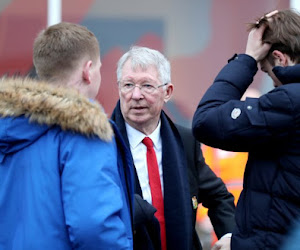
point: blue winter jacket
(269, 129)
(62, 185)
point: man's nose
(136, 92)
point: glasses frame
(140, 87)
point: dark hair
(283, 32)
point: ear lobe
(86, 72)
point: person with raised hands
(267, 127)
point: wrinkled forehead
(141, 65)
(131, 67)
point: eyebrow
(144, 79)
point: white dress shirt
(139, 154)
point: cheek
(156, 104)
(124, 101)
(155, 100)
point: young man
(63, 184)
(172, 176)
(266, 127)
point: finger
(266, 17)
(258, 31)
(272, 13)
(261, 28)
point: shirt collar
(135, 137)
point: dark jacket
(185, 176)
(269, 129)
(61, 184)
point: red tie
(156, 193)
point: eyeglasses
(146, 88)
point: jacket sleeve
(214, 195)
(92, 194)
(223, 121)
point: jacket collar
(51, 105)
(289, 74)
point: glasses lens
(147, 88)
(127, 87)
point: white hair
(144, 57)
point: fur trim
(52, 105)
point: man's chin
(137, 116)
(137, 113)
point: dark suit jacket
(185, 176)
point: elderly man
(171, 175)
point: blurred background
(197, 36)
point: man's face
(95, 79)
(141, 110)
(267, 67)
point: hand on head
(266, 17)
(255, 46)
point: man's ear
(86, 73)
(280, 59)
(168, 92)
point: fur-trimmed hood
(47, 105)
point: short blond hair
(58, 49)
